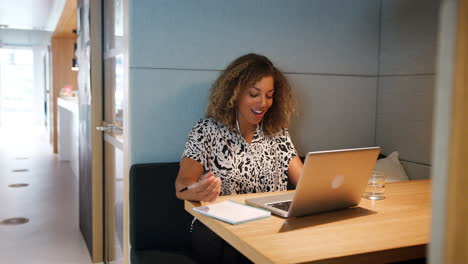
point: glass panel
(118, 198)
(113, 114)
(118, 92)
(113, 25)
(118, 19)
(109, 88)
(113, 94)
(114, 204)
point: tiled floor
(50, 202)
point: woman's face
(255, 101)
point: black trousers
(209, 248)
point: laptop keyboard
(281, 205)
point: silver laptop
(330, 180)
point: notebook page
(232, 212)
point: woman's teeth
(257, 112)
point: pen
(193, 185)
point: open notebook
(232, 212)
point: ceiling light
(74, 65)
(74, 60)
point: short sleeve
(195, 146)
(286, 147)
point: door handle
(110, 128)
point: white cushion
(391, 167)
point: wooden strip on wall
(95, 29)
(110, 227)
(456, 242)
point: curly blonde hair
(241, 74)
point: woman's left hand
(295, 169)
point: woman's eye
(253, 95)
(269, 96)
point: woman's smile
(258, 113)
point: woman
(242, 146)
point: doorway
(102, 77)
(17, 98)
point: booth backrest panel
(157, 218)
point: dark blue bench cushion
(158, 220)
(157, 256)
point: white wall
(17, 37)
(39, 53)
(329, 50)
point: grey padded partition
(178, 47)
(404, 116)
(408, 36)
(303, 36)
(329, 49)
(416, 171)
(166, 104)
(406, 82)
(333, 112)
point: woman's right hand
(205, 190)
(208, 189)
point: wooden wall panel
(62, 50)
(95, 74)
(456, 242)
(67, 21)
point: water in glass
(375, 189)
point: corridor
(50, 201)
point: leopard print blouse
(261, 166)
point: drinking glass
(375, 189)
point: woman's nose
(262, 101)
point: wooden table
(384, 231)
